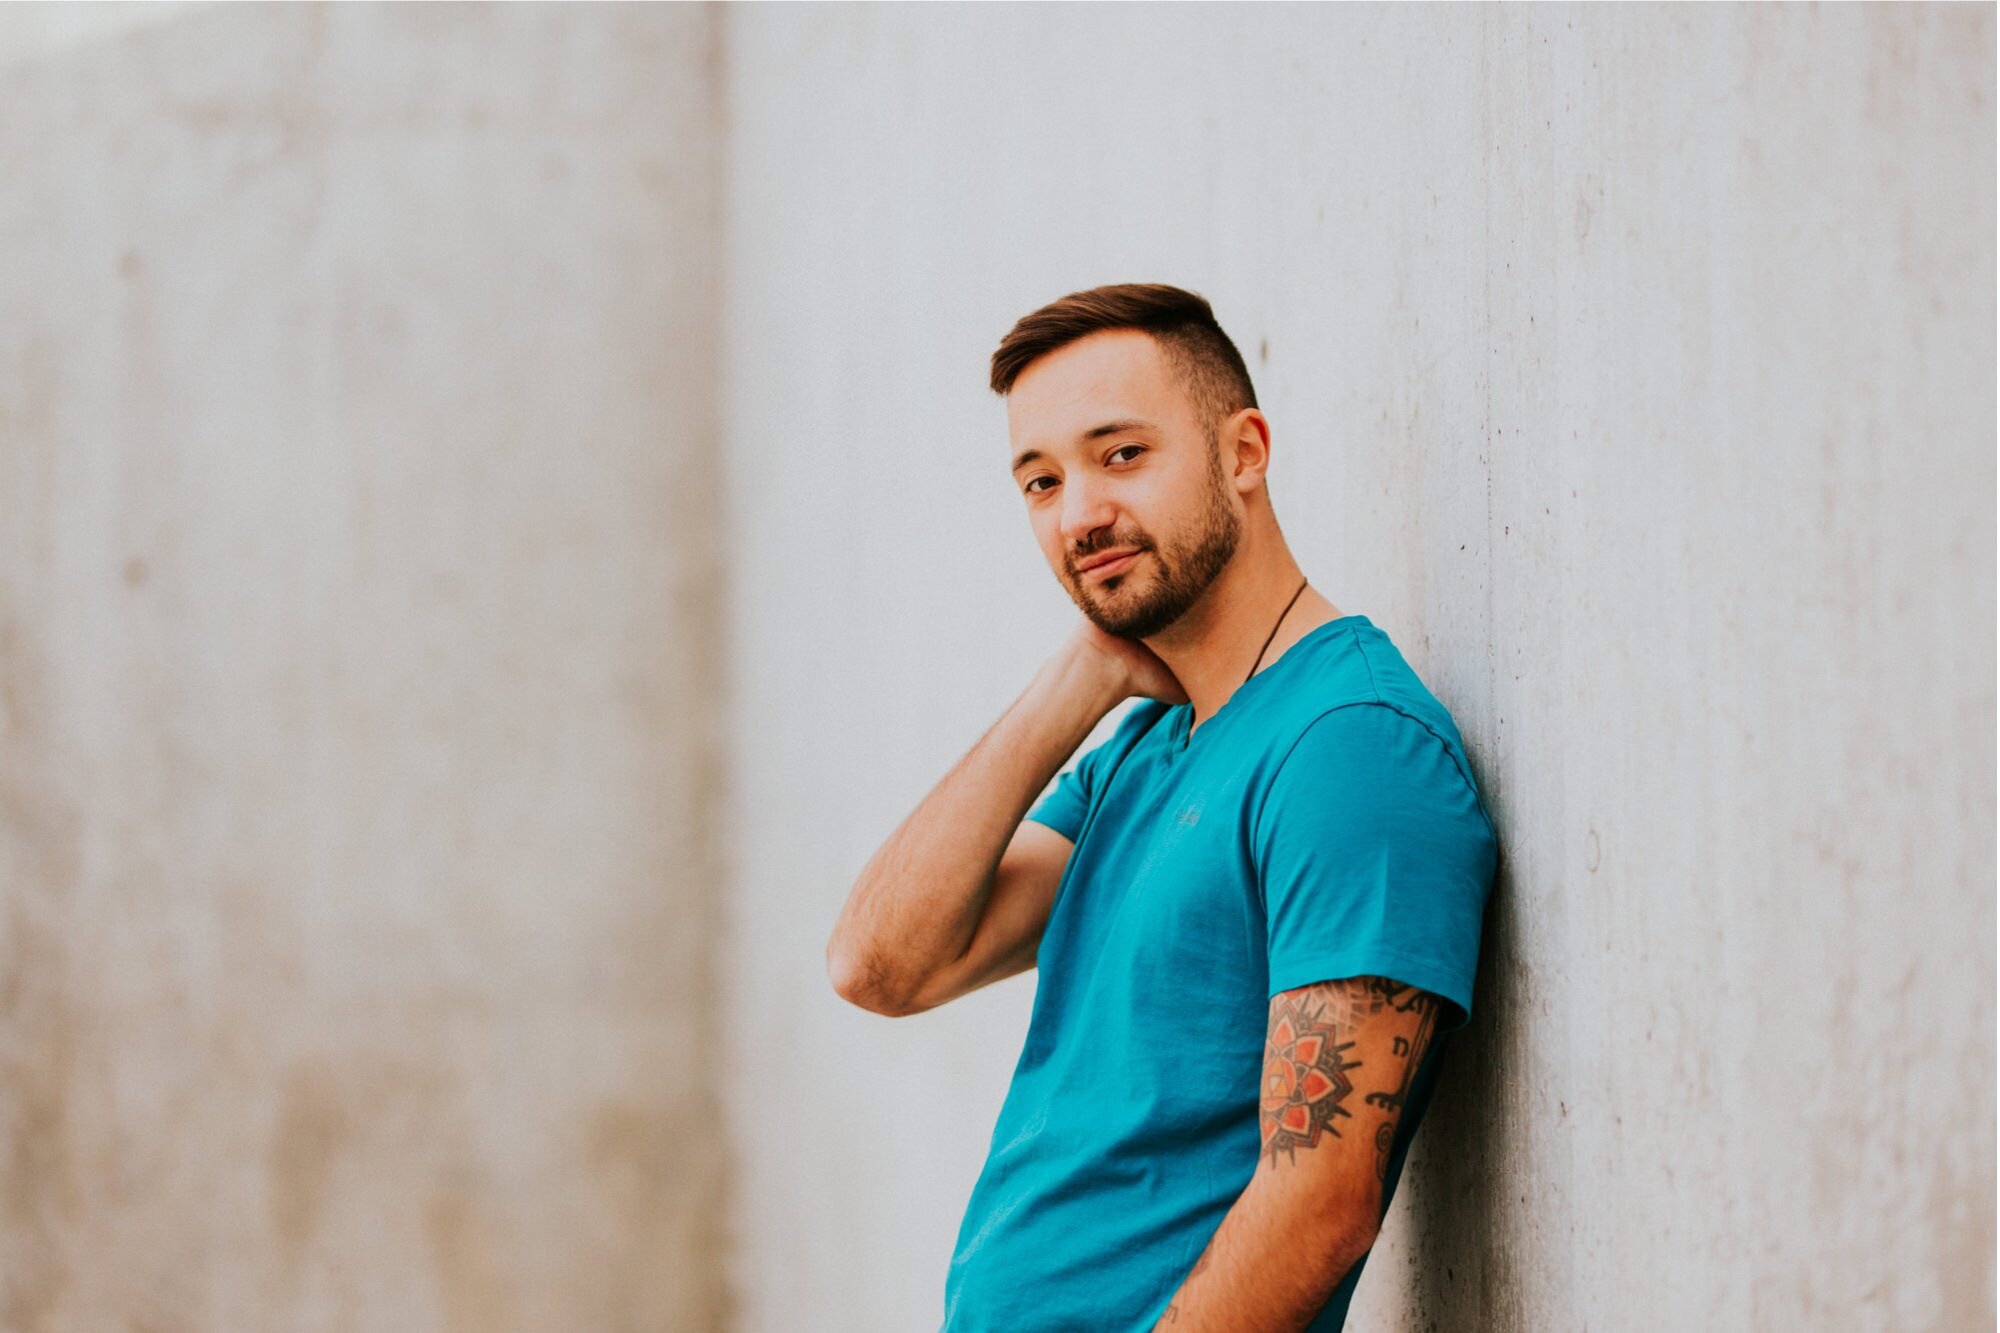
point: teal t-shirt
(1323, 823)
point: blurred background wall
(358, 589)
(501, 515)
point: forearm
(918, 902)
(1270, 1266)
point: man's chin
(1130, 623)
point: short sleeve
(1374, 857)
(1065, 804)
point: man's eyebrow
(1027, 456)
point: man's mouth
(1103, 566)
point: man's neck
(1211, 648)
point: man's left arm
(1339, 1057)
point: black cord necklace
(1188, 735)
(1273, 634)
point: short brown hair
(1210, 369)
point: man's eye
(1030, 487)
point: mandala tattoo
(1309, 1078)
(1305, 1079)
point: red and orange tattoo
(1309, 1078)
(1332, 1049)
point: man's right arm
(960, 893)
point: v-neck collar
(1181, 736)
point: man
(1255, 908)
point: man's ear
(1249, 443)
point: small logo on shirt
(1190, 814)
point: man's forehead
(1098, 386)
(1124, 363)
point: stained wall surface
(499, 503)
(1632, 367)
(356, 588)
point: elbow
(1339, 1230)
(845, 976)
(860, 985)
(1352, 1234)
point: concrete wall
(1632, 366)
(357, 588)
(499, 516)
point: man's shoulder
(1373, 673)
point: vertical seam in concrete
(714, 676)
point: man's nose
(1084, 511)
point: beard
(1184, 572)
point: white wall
(357, 586)
(1632, 367)
(500, 515)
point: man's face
(1154, 484)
